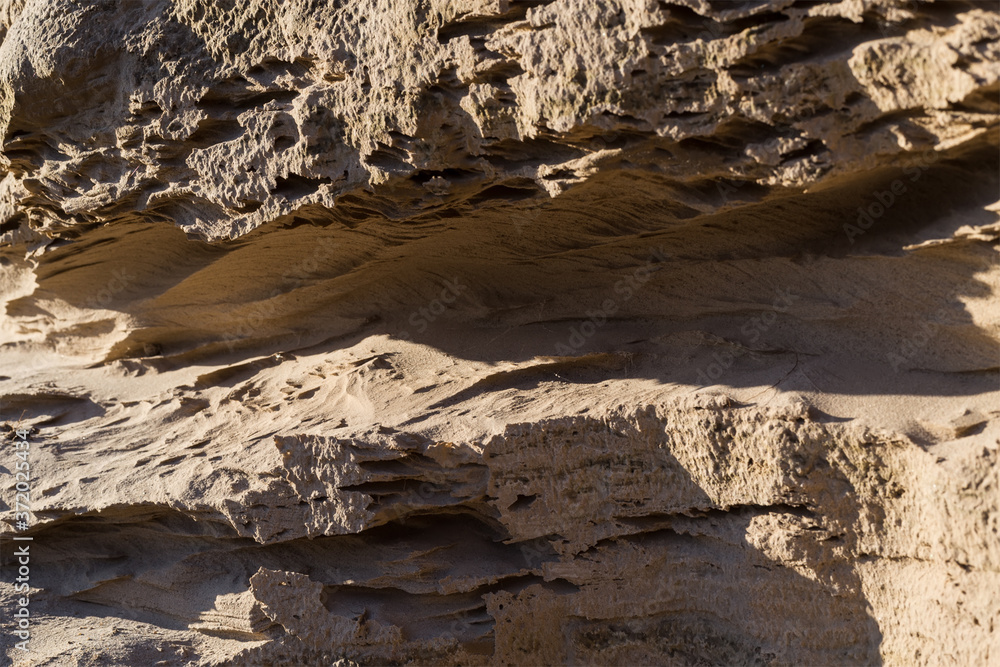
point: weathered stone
(502, 332)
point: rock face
(499, 332)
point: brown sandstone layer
(498, 332)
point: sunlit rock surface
(498, 332)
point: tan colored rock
(500, 332)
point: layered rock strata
(499, 332)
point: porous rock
(502, 332)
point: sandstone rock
(501, 332)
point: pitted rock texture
(497, 332)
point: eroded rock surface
(499, 332)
